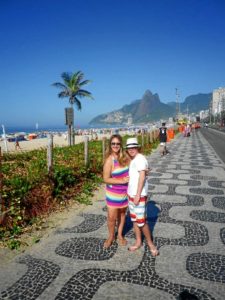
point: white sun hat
(132, 143)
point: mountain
(193, 103)
(149, 108)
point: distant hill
(193, 103)
(149, 108)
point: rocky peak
(147, 93)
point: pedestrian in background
(17, 145)
(187, 130)
(115, 175)
(137, 196)
(163, 139)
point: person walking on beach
(115, 175)
(137, 196)
(163, 139)
(17, 145)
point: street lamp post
(219, 107)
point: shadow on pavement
(152, 215)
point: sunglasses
(115, 144)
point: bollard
(151, 137)
(86, 139)
(142, 139)
(50, 154)
(155, 135)
(147, 138)
(103, 148)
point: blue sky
(124, 46)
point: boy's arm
(141, 182)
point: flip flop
(134, 248)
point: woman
(115, 175)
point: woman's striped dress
(116, 194)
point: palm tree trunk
(69, 135)
(72, 135)
(72, 129)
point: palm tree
(72, 88)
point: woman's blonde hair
(122, 157)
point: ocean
(33, 129)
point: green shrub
(29, 191)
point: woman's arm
(107, 174)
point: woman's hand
(126, 179)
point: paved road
(216, 139)
(186, 211)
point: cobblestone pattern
(188, 177)
(38, 277)
(207, 266)
(87, 248)
(222, 235)
(145, 275)
(219, 202)
(91, 223)
(206, 191)
(208, 216)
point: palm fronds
(71, 87)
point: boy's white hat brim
(132, 143)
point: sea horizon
(57, 128)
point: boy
(137, 196)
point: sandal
(134, 248)
(122, 242)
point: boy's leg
(143, 226)
(137, 232)
(148, 237)
(138, 242)
(134, 213)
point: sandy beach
(58, 141)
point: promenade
(186, 212)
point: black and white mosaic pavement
(91, 223)
(219, 202)
(39, 276)
(86, 248)
(207, 266)
(186, 214)
(222, 235)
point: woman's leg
(121, 223)
(111, 222)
